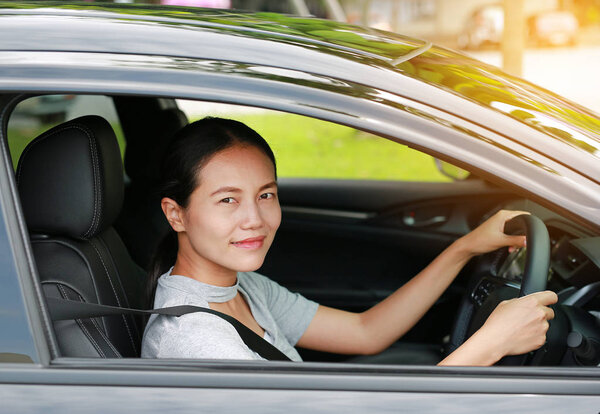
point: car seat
(70, 181)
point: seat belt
(62, 309)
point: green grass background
(306, 147)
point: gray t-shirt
(282, 314)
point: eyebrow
(229, 189)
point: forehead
(237, 165)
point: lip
(250, 243)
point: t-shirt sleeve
(204, 336)
(291, 311)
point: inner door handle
(411, 221)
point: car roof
(387, 61)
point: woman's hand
(515, 327)
(490, 235)
(519, 325)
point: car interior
(85, 168)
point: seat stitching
(82, 326)
(108, 341)
(96, 183)
(90, 337)
(105, 245)
(115, 293)
(101, 332)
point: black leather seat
(70, 180)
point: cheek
(209, 222)
(274, 216)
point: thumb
(545, 297)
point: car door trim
(330, 213)
(308, 376)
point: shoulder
(256, 281)
(260, 286)
(172, 291)
(196, 335)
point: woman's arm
(374, 330)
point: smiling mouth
(251, 243)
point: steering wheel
(537, 259)
(485, 293)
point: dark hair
(190, 149)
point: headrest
(70, 179)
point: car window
(35, 115)
(310, 148)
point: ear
(174, 213)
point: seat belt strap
(62, 309)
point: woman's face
(233, 214)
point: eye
(228, 200)
(267, 196)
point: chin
(249, 265)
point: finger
(510, 214)
(547, 297)
(546, 326)
(516, 241)
(549, 313)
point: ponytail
(164, 257)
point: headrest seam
(97, 194)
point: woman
(219, 195)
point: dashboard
(574, 257)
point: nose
(252, 217)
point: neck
(203, 271)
